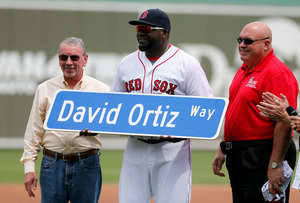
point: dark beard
(152, 45)
(143, 48)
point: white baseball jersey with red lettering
(161, 170)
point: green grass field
(11, 169)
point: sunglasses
(147, 28)
(248, 41)
(64, 57)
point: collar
(153, 59)
(260, 64)
(77, 86)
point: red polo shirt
(243, 120)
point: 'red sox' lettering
(164, 87)
(133, 85)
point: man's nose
(69, 60)
(242, 44)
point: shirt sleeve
(283, 83)
(118, 85)
(33, 133)
(196, 83)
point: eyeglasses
(147, 28)
(248, 41)
(64, 57)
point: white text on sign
(78, 116)
(136, 115)
(203, 112)
(139, 108)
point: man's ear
(85, 57)
(267, 45)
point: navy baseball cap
(154, 18)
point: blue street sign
(137, 114)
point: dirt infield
(200, 194)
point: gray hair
(74, 41)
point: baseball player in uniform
(152, 166)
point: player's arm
(196, 83)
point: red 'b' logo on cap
(144, 14)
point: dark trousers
(247, 165)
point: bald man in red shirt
(255, 146)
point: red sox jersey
(151, 169)
(174, 73)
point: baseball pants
(161, 170)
